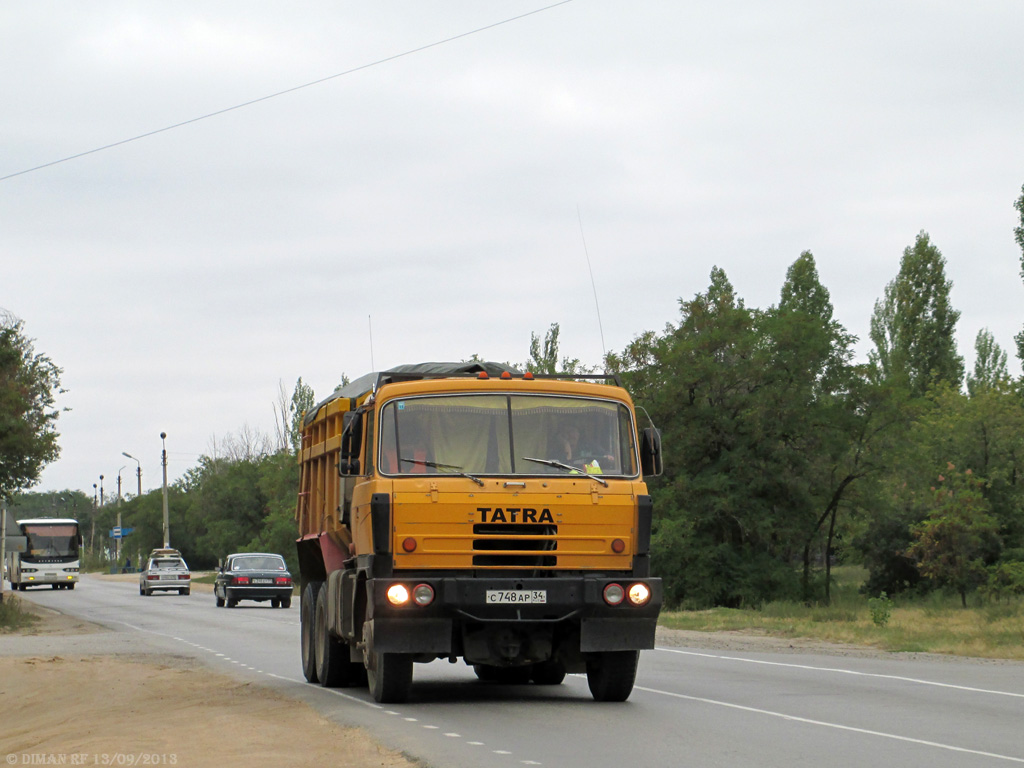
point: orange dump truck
(463, 510)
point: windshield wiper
(448, 468)
(568, 468)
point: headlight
(639, 593)
(614, 594)
(423, 594)
(398, 594)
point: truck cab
(469, 511)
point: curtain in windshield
(496, 434)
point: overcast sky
(180, 279)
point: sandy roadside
(105, 711)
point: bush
(1005, 580)
(881, 609)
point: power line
(286, 91)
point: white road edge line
(844, 672)
(836, 726)
(371, 705)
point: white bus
(50, 556)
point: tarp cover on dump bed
(356, 389)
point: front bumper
(573, 607)
(41, 577)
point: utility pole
(167, 532)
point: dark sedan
(254, 576)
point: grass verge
(13, 615)
(936, 624)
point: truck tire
(610, 674)
(389, 675)
(334, 667)
(307, 623)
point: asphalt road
(691, 707)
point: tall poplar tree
(913, 326)
(1018, 233)
(990, 372)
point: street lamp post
(117, 541)
(106, 551)
(167, 533)
(138, 472)
(95, 509)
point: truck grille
(505, 545)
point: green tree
(544, 356)
(278, 483)
(303, 400)
(990, 371)
(1018, 233)
(952, 545)
(724, 519)
(29, 384)
(913, 325)
(985, 432)
(818, 402)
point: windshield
(506, 435)
(57, 540)
(257, 564)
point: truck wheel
(307, 622)
(334, 667)
(389, 675)
(611, 674)
(548, 673)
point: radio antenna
(593, 285)
(369, 322)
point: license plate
(262, 581)
(517, 596)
